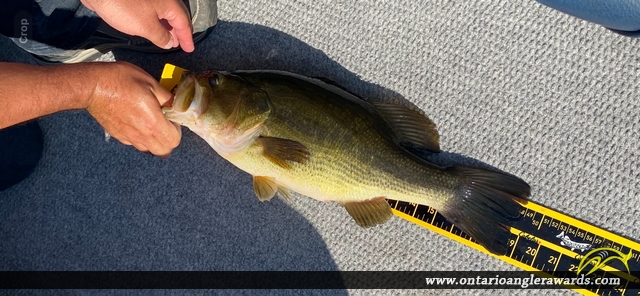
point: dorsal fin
(410, 126)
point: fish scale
(391, 171)
(534, 243)
(307, 135)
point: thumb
(159, 35)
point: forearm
(29, 92)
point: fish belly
(359, 173)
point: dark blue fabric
(622, 15)
(96, 205)
(20, 151)
(33, 25)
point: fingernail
(169, 44)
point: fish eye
(213, 81)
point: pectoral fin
(410, 126)
(280, 151)
(264, 187)
(369, 213)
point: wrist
(81, 82)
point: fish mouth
(187, 101)
(184, 93)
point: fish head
(224, 109)
(192, 97)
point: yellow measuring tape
(548, 241)
(542, 240)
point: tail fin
(484, 205)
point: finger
(140, 147)
(167, 134)
(164, 97)
(168, 103)
(185, 39)
(180, 22)
(158, 149)
(151, 144)
(174, 39)
(158, 35)
(178, 128)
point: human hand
(127, 102)
(165, 23)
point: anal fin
(280, 151)
(370, 212)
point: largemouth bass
(294, 133)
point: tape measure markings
(399, 210)
(622, 241)
(562, 251)
(597, 238)
(532, 238)
(535, 243)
